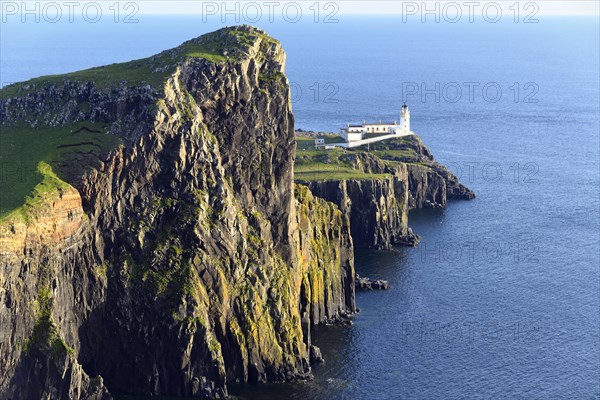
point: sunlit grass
(35, 161)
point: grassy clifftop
(333, 164)
(343, 164)
(32, 157)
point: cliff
(377, 186)
(377, 209)
(155, 242)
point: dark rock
(315, 355)
(368, 284)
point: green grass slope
(336, 164)
(37, 161)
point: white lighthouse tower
(405, 120)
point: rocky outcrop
(184, 260)
(427, 188)
(406, 177)
(454, 189)
(315, 355)
(364, 283)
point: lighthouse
(378, 130)
(405, 119)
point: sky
(545, 7)
(255, 11)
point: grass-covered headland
(320, 164)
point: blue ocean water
(501, 300)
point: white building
(356, 132)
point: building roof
(373, 124)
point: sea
(501, 298)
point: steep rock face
(188, 262)
(377, 209)
(326, 254)
(427, 188)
